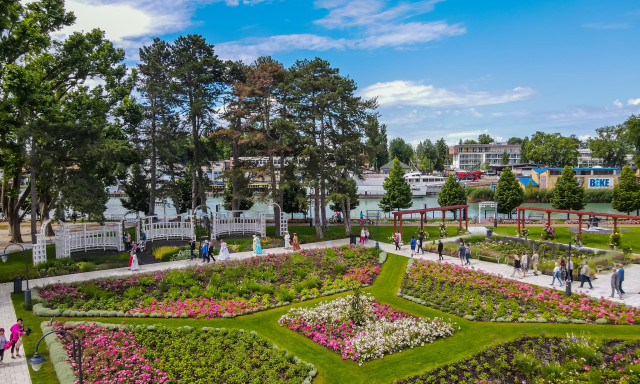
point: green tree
(397, 190)
(611, 145)
(505, 158)
(552, 149)
(485, 139)
(452, 193)
(632, 133)
(626, 194)
(524, 158)
(567, 194)
(442, 150)
(509, 194)
(138, 192)
(377, 146)
(400, 150)
(514, 141)
(244, 194)
(293, 192)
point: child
(3, 342)
(17, 330)
(366, 235)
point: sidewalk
(15, 371)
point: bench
(615, 260)
(493, 256)
(603, 265)
(536, 216)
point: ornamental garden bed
(160, 355)
(477, 295)
(219, 290)
(570, 359)
(360, 328)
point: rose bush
(222, 289)
(478, 295)
(384, 330)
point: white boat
(422, 185)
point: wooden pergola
(549, 211)
(422, 212)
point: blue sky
(440, 68)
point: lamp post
(27, 292)
(37, 359)
(495, 216)
(567, 291)
(377, 219)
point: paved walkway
(15, 371)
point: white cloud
(584, 137)
(634, 101)
(475, 113)
(401, 93)
(617, 103)
(606, 26)
(409, 33)
(358, 13)
(252, 48)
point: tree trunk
(11, 203)
(347, 216)
(154, 155)
(34, 204)
(235, 201)
(195, 163)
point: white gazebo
(483, 205)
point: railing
(168, 229)
(238, 225)
(106, 237)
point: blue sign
(601, 183)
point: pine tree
(626, 194)
(452, 193)
(137, 190)
(567, 194)
(243, 194)
(509, 194)
(294, 194)
(397, 190)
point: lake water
(114, 207)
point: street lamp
(27, 293)
(567, 291)
(377, 219)
(37, 359)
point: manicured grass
(469, 338)
(563, 235)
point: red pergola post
(466, 218)
(523, 219)
(579, 227)
(615, 224)
(442, 216)
(549, 219)
(518, 220)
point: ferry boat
(421, 185)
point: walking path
(16, 371)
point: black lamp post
(27, 293)
(37, 359)
(567, 291)
(377, 219)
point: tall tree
(505, 158)
(611, 145)
(137, 190)
(524, 158)
(295, 195)
(377, 148)
(198, 75)
(397, 190)
(632, 130)
(485, 139)
(400, 150)
(567, 194)
(552, 149)
(443, 155)
(509, 194)
(452, 193)
(626, 194)
(514, 141)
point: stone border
(65, 374)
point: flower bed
(218, 290)
(360, 328)
(568, 359)
(149, 354)
(477, 295)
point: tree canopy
(626, 194)
(567, 194)
(509, 194)
(400, 150)
(397, 189)
(452, 193)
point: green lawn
(470, 338)
(563, 235)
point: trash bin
(489, 232)
(353, 239)
(17, 284)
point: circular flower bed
(360, 328)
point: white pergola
(484, 205)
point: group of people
(206, 250)
(364, 235)
(464, 252)
(416, 243)
(291, 244)
(15, 339)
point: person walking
(621, 278)
(420, 238)
(362, 236)
(3, 343)
(517, 267)
(366, 235)
(205, 251)
(585, 275)
(143, 237)
(615, 284)
(524, 262)
(570, 269)
(17, 330)
(556, 275)
(128, 241)
(413, 243)
(396, 240)
(257, 247)
(535, 260)
(287, 240)
(462, 250)
(467, 252)
(295, 243)
(192, 248)
(134, 261)
(564, 275)
(224, 250)
(440, 248)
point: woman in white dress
(287, 241)
(224, 251)
(134, 262)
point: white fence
(238, 223)
(168, 228)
